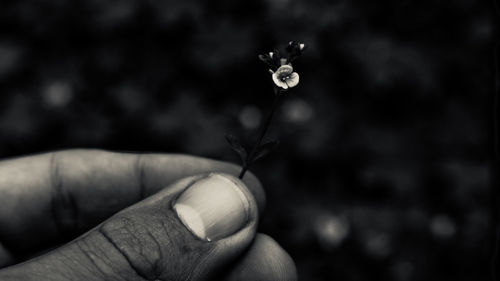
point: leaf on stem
(236, 146)
(265, 150)
(267, 60)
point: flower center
(284, 77)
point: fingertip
(255, 186)
(216, 206)
(283, 263)
(265, 260)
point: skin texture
(97, 215)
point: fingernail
(213, 207)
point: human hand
(145, 217)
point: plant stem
(263, 131)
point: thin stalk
(263, 131)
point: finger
(50, 197)
(188, 231)
(264, 260)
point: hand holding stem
(284, 78)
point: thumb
(188, 231)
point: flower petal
(286, 68)
(293, 80)
(278, 82)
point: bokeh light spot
(250, 117)
(58, 94)
(297, 111)
(378, 244)
(442, 226)
(331, 230)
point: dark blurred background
(383, 171)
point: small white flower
(285, 78)
(271, 54)
(302, 46)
